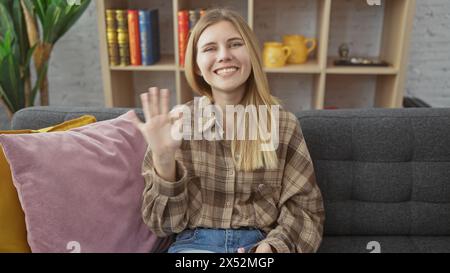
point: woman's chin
(227, 88)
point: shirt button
(228, 204)
(260, 186)
(231, 172)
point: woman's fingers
(154, 101)
(145, 106)
(165, 98)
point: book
(122, 36)
(187, 19)
(194, 15)
(133, 32)
(202, 12)
(149, 36)
(183, 32)
(111, 38)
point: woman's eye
(208, 49)
(236, 44)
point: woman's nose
(224, 54)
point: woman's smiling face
(223, 58)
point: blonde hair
(257, 87)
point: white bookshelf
(312, 17)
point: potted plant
(23, 38)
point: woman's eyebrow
(235, 38)
(229, 40)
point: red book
(133, 31)
(183, 31)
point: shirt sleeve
(164, 205)
(300, 222)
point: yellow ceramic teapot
(275, 54)
(300, 49)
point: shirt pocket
(265, 204)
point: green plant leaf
(6, 22)
(5, 99)
(5, 42)
(40, 77)
(29, 55)
(72, 17)
(21, 31)
(12, 74)
(3, 51)
(55, 18)
(41, 7)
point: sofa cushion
(13, 234)
(82, 187)
(385, 244)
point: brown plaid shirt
(286, 203)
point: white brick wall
(429, 64)
(75, 76)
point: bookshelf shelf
(310, 67)
(167, 63)
(321, 19)
(362, 70)
(332, 69)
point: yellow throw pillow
(13, 233)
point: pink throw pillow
(81, 190)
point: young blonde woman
(226, 195)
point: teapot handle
(313, 44)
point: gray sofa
(384, 173)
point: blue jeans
(208, 240)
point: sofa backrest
(381, 171)
(43, 116)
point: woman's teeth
(226, 71)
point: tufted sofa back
(382, 171)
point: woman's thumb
(134, 118)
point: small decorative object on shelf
(275, 54)
(301, 47)
(346, 60)
(343, 51)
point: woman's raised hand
(158, 123)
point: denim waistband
(240, 228)
(222, 240)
